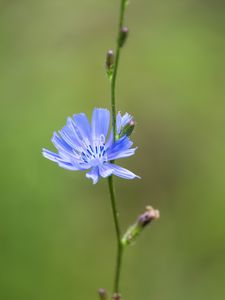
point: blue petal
(118, 122)
(83, 126)
(65, 161)
(121, 172)
(100, 122)
(105, 170)
(68, 166)
(74, 132)
(70, 136)
(109, 141)
(58, 159)
(126, 119)
(93, 174)
(60, 144)
(118, 147)
(50, 155)
(122, 154)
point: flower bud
(109, 63)
(102, 294)
(148, 216)
(144, 219)
(127, 129)
(123, 36)
(109, 59)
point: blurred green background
(56, 232)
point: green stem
(110, 179)
(115, 67)
(118, 236)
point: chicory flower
(83, 146)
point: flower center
(95, 154)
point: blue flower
(82, 146)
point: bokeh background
(56, 232)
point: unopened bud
(102, 294)
(133, 231)
(109, 63)
(109, 59)
(123, 36)
(148, 216)
(128, 129)
(116, 297)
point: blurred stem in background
(112, 71)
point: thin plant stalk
(118, 236)
(115, 67)
(110, 179)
